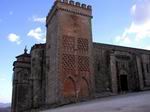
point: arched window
(69, 89)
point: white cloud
(39, 19)
(148, 48)
(37, 34)
(141, 31)
(133, 9)
(141, 11)
(139, 28)
(14, 38)
(124, 39)
(2, 79)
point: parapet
(70, 6)
(78, 4)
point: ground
(131, 102)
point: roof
(121, 48)
(25, 54)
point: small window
(33, 62)
(98, 67)
(48, 67)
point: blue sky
(22, 22)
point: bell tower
(69, 68)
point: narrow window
(148, 68)
(98, 67)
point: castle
(70, 67)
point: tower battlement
(70, 6)
(78, 4)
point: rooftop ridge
(37, 46)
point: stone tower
(69, 71)
(21, 98)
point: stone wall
(102, 70)
(52, 88)
(21, 97)
(38, 74)
(111, 63)
(145, 61)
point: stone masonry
(71, 68)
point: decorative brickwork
(82, 45)
(83, 63)
(68, 62)
(68, 43)
(75, 62)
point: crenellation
(58, 0)
(89, 7)
(83, 6)
(71, 2)
(65, 1)
(70, 6)
(78, 4)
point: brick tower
(69, 71)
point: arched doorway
(84, 88)
(69, 89)
(123, 80)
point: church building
(71, 68)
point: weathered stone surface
(121, 62)
(69, 67)
(38, 74)
(21, 97)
